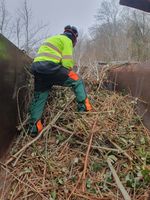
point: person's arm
(67, 54)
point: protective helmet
(71, 30)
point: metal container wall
(134, 79)
(139, 4)
(12, 76)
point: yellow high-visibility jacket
(57, 49)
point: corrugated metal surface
(139, 4)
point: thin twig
(31, 187)
(121, 150)
(118, 182)
(74, 189)
(87, 155)
(90, 197)
(100, 148)
(46, 129)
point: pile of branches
(98, 155)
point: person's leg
(79, 89)
(68, 78)
(41, 91)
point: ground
(75, 156)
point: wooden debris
(69, 160)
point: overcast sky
(58, 13)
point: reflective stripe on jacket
(57, 49)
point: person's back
(55, 49)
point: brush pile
(100, 155)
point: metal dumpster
(12, 76)
(139, 4)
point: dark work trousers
(43, 83)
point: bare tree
(26, 15)
(120, 34)
(27, 31)
(108, 12)
(18, 31)
(80, 49)
(108, 18)
(139, 34)
(4, 20)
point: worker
(53, 66)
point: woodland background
(120, 33)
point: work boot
(35, 128)
(84, 106)
(81, 107)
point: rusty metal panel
(135, 79)
(139, 4)
(12, 76)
